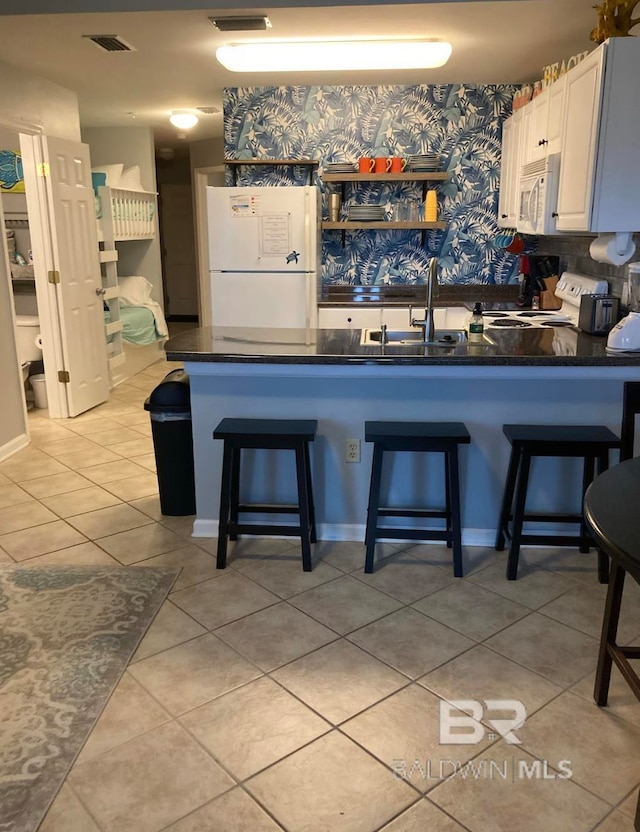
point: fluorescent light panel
(288, 56)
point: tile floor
(264, 698)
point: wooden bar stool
(265, 434)
(420, 437)
(589, 442)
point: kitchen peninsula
(541, 376)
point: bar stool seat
(589, 442)
(420, 437)
(265, 434)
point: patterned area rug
(66, 636)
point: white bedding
(136, 291)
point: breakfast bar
(340, 378)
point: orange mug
(366, 164)
(382, 164)
(398, 164)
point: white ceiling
(499, 41)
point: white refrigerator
(264, 250)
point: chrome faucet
(427, 324)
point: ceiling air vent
(241, 24)
(111, 43)
(208, 111)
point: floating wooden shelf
(304, 162)
(385, 225)
(405, 176)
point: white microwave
(538, 196)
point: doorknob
(100, 292)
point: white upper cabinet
(510, 170)
(543, 123)
(555, 113)
(599, 169)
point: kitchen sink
(413, 337)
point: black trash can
(170, 408)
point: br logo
(461, 720)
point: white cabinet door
(345, 317)
(579, 143)
(510, 171)
(537, 141)
(556, 93)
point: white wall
(206, 153)
(131, 146)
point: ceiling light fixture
(183, 119)
(286, 56)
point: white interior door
(75, 255)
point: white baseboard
(14, 446)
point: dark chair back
(630, 409)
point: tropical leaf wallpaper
(460, 122)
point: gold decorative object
(614, 20)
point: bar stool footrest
(268, 508)
(412, 512)
(412, 534)
(258, 528)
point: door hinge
(43, 169)
(54, 276)
(63, 376)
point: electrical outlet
(352, 450)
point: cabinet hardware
(503, 216)
(542, 142)
(555, 214)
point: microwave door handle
(534, 204)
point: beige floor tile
(55, 484)
(339, 680)
(492, 804)
(557, 652)
(629, 804)
(84, 554)
(40, 540)
(78, 460)
(283, 573)
(253, 727)
(4, 480)
(570, 728)
(125, 793)
(145, 429)
(110, 521)
(92, 426)
(67, 814)
(568, 562)
(42, 431)
(247, 549)
(276, 635)
(134, 447)
(150, 506)
(482, 674)
(114, 435)
(170, 627)
(119, 411)
(24, 516)
(147, 461)
(345, 604)
(348, 555)
(133, 488)
(403, 732)
(193, 673)
(583, 609)
(235, 811)
(331, 784)
(72, 444)
(406, 578)
(137, 544)
(4, 557)
(80, 502)
(471, 610)
(13, 495)
(32, 468)
(533, 588)
(223, 599)
(130, 712)
(421, 817)
(184, 527)
(111, 471)
(474, 558)
(410, 642)
(615, 822)
(196, 566)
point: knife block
(548, 300)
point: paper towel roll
(616, 249)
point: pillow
(130, 179)
(135, 290)
(112, 172)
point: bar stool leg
(609, 633)
(225, 498)
(312, 511)
(507, 498)
(603, 557)
(454, 510)
(447, 496)
(235, 490)
(303, 503)
(374, 504)
(587, 479)
(518, 516)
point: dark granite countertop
(564, 346)
(454, 295)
